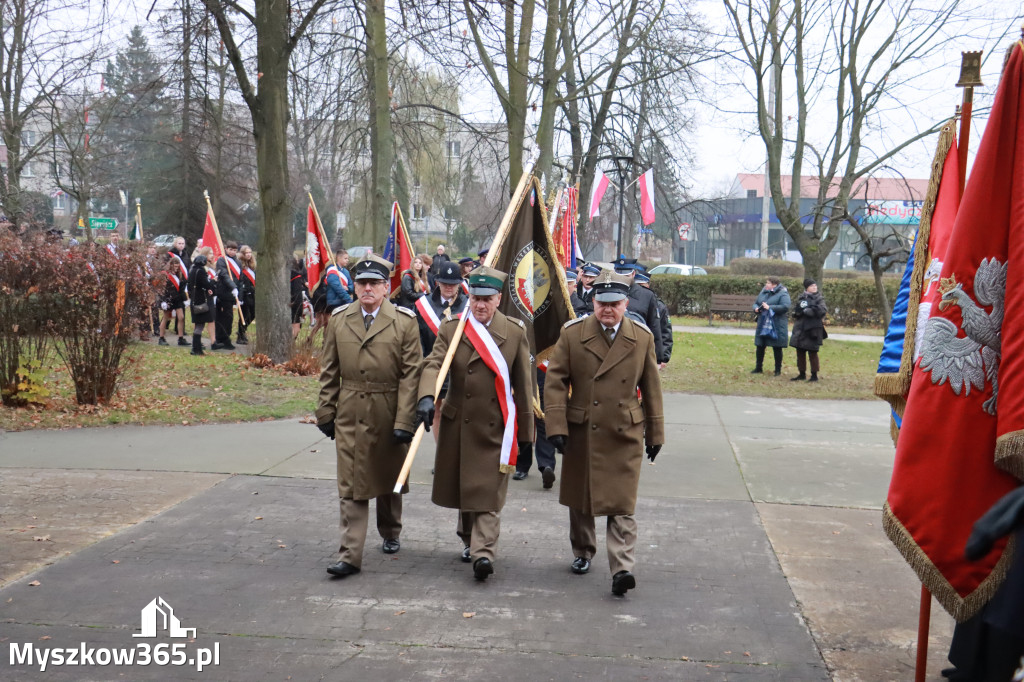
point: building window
(419, 211)
(60, 201)
(450, 214)
(28, 138)
(454, 149)
(751, 193)
(26, 171)
(415, 179)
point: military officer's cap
(486, 281)
(448, 273)
(482, 254)
(642, 276)
(610, 287)
(591, 269)
(467, 259)
(372, 266)
(623, 264)
(570, 275)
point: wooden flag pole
(970, 77)
(923, 625)
(492, 253)
(220, 243)
(138, 216)
(319, 226)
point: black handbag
(201, 308)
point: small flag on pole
(597, 193)
(647, 197)
(398, 248)
(136, 232)
(318, 251)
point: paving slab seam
(292, 456)
(732, 448)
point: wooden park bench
(730, 303)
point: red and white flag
(646, 183)
(597, 191)
(318, 252)
(961, 445)
(211, 237)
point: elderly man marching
(371, 362)
(596, 419)
(486, 417)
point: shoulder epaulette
(406, 311)
(339, 309)
(518, 321)
(572, 322)
(642, 326)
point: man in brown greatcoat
(469, 474)
(371, 363)
(595, 418)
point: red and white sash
(465, 287)
(112, 249)
(335, 270)
(175, 281)
(427, 312)
(484, 344)
(233, 266)
(250, 275)
(181, 264)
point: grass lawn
(720, 364)
(749, 323)
(167, 385)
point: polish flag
(597, 192)
(647, 197)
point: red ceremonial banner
(963, 426)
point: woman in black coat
(808, 329)
(200, 290)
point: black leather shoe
(183, 342)
(228, 346)
(466, 558)
(342, 569)
(519, 475)
(547, 474)
(162, 342)
(622, 581)
(217, 345)
(482, 568)
(392, 546)
(580, 565)
(757, 370)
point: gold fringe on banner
(889, 387)
(961, 608)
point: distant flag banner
(211, 236)
(647, 197)
(920, 278)
(318, 252)
(597, 191)
(564, 236)
(135, 234)
(961, 443)
(535, 292)
(398, 248)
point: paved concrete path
(761, 556)
(740, 331)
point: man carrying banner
(486, 417)
(598, 419)
(228, 272)
(370, 370)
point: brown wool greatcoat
(368, 387)
(466, 473)
(604, 422)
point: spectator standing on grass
(808, 329)
(299, 294)
(228, 272)
(173, 299)
(772, 308)
(200, 288)
(439, 258)
(246, 290)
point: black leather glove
(402, 436)
(327, 428)
(525, 449)
(1001, 519)
(652, 451)
(425, 412)
(558, 442)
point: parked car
(165, 240)
(677, 269)
(357, 252)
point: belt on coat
(368, 386)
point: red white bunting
(647, 197)
(484, 344)
(597, 192)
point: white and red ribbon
(250, 275)
(484, 344)
(175, 281)
(427, 313)
(233, 266)
(465, 287)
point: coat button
(620, 429)
(596, 403)
(362, 371)
(468, 396)
(466, 420)
(594, 427)
(491, 424)
(469, 371)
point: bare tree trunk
(186, 108)
(382, 139)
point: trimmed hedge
(851, 302)
(761, 267)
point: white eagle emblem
(312, 250)
(967, 362)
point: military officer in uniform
(644, 280)
(446, 300)
(644, 303)
(585, 288)
(596, 420)
(371, 363)
(474, 454)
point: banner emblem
(530, 284)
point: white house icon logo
(160, 609)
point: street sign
(103, 223)
(685, 233)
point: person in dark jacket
(173, 299)
(644, 280)
(808, 329)
(299, 292)
(578, 306)
(228, 272)
(585, 289)
(200, 289)
(439, 258)
(772, 305)
(644, 303)
(446, 300)
(415, 283)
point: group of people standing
(773, 307)
(382, 376)
(210, 289)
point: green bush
(851, 302)
(762, 267)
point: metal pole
(622, 164)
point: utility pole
(775, 71)
(622, 165)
